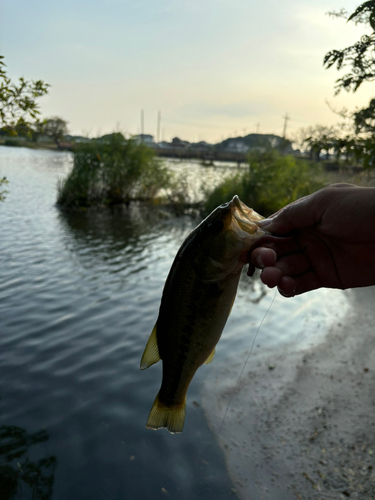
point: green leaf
(370, 5)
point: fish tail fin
(172, 417)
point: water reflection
(252, 289)
(111, 231)
(17, 470)
(79, 295)
(135, 238)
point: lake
(79, 295)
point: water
(79, 295)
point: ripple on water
(79, 295)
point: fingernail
(264, 222)
(287, 295)
(259, 262)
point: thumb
(298, 215)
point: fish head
(225, 237)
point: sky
(213, 68)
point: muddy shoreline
(302, 422)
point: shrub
(13, 143)
(112, 171)
(271, 182)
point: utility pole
(142, 123)
(258, 127)
(158, 127)
(286, 118)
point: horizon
(176, 137)
(218, 70)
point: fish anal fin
(164, 416)
(210, 357)
(151, 353)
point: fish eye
(215, 226)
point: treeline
(343, 142)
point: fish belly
(191, 319)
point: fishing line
(247, 359)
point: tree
(359, 57)
(55, 128)
(36, 130)
(318, 139)
(18, 106)
(364, 119)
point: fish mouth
(244, 216)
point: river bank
(17, 143)
(301, 424)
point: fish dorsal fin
(151, 352)
(210, 357)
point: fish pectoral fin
(170, 417)
(210, 357)
(151, 353)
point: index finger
(280, 244)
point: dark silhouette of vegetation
(18, 107)
(113, 171)
(359, 58)
(364, 119)
(55, 128)
(318, 139)
(271, 182)
(16, 469)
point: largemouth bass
(197, 299)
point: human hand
(330, 242)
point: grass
(115, 171)
(346, 174)
(271, 182)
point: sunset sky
(214, 68)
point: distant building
(164, 144)
(202, 146)
(178, 143)
(145, 139)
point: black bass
(197, 299)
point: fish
(197, 299)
